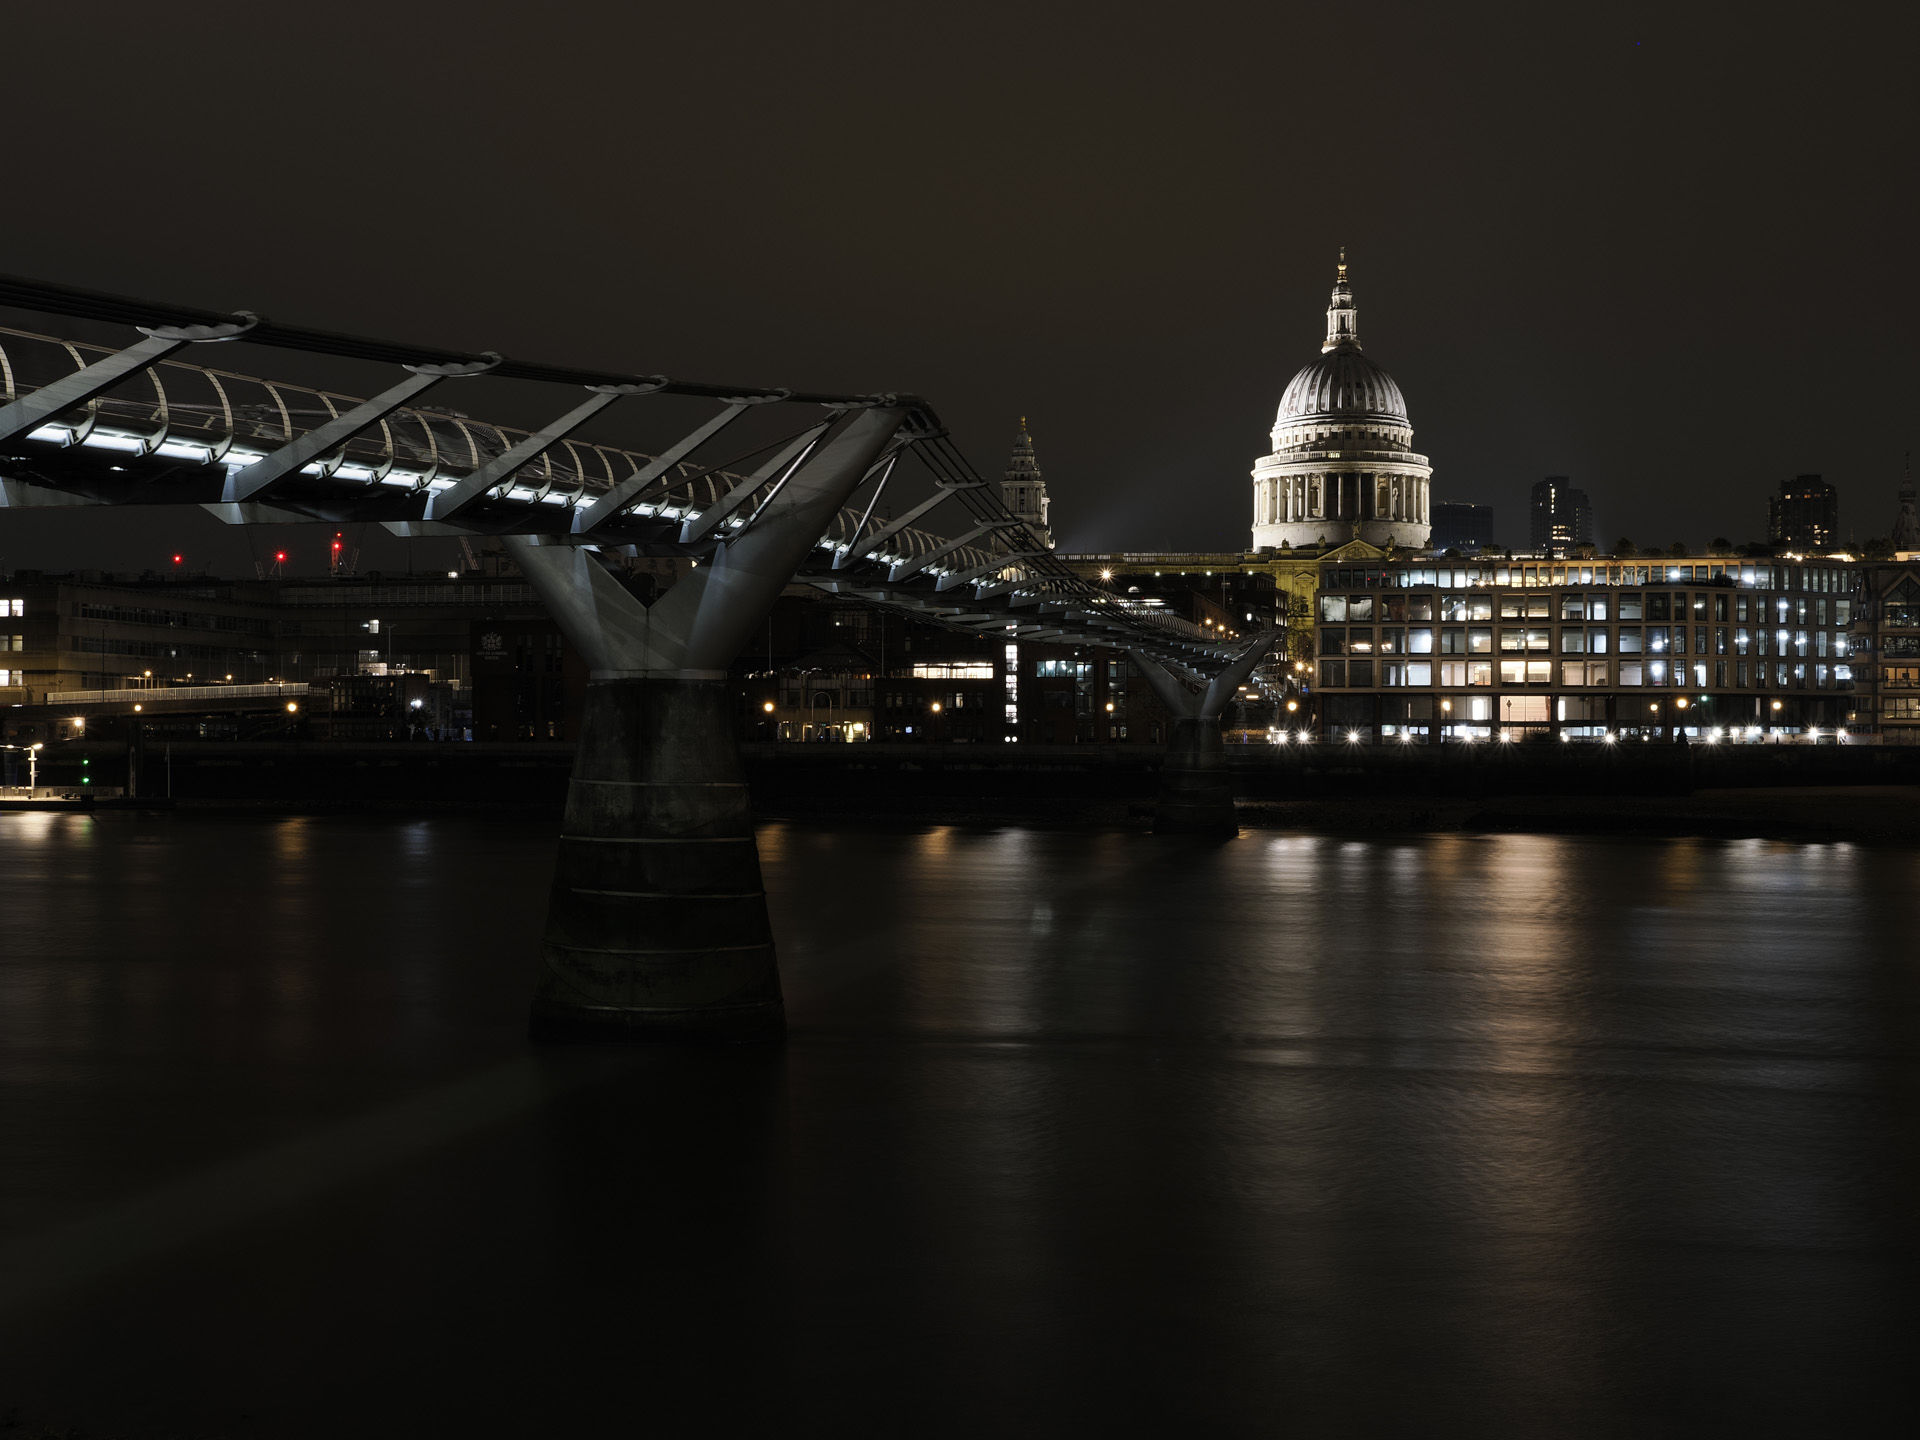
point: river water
(1077, 1132)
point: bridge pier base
(657, 925)
(1196, 793)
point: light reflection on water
(1483, 1134)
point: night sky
(1670, 257)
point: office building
(1805, 515)
(1561, 517)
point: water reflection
(1480, 1135)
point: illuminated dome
(1342, 382)
(1343, 466)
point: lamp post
(33, 764)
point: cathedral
(1343, 465)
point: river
(1077, 1132)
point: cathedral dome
(1341, 382)
(1343, 464)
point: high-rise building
(1805, 515)
(1343, 465)
(1562, 516)
(1025, 490)
(1459, 526)
(1906, 525)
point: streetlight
(33, 764)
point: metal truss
(85, 424)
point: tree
(1625, 548)
(1585, 552)
(1720, 545)
(1677, 549)
(1878, 549)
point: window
(1573, 640)
(1740, 607)
(1453, 607)
(1630, 640)
(1479, 607)
(1842, 612)
(1393, 641)
(1573, 607)
(957, 670)
(1333, 607)
(1479, 672)
(1393, 607)
(1699, 605)
(1453, 642)
(1699, 674)
(1051, 670)
(1740, 641)
(1596, 607)
(1596, 641)
(1513, 672)
(1699, 640)
(1631, 607)
(1573, 672)
(1333, 674)
(1359, 607)
(1420, 607)
(1719, 640)
(1419, 672)
(1420, 641)
(1333, 642)
(1360, 674)
(1630, 671)
(1658, 607)
(13, 607)
(1539, 672)
(1393, 672)
(1360, 642)
(1453, 672)
(1719, 607)
(1511, 639)
(1479, 641)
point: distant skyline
(1661, 254)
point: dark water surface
(1077, 1133)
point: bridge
(657, 926)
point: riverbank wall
(901, 778)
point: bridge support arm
(245, 483)
(31, 411)
(445, 504)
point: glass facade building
(1432, 650)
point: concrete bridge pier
(1196, 793)
(657, 921)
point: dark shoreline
(1869, 814)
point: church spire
(1343, 317)
(1024, 488)
(1906, 525)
